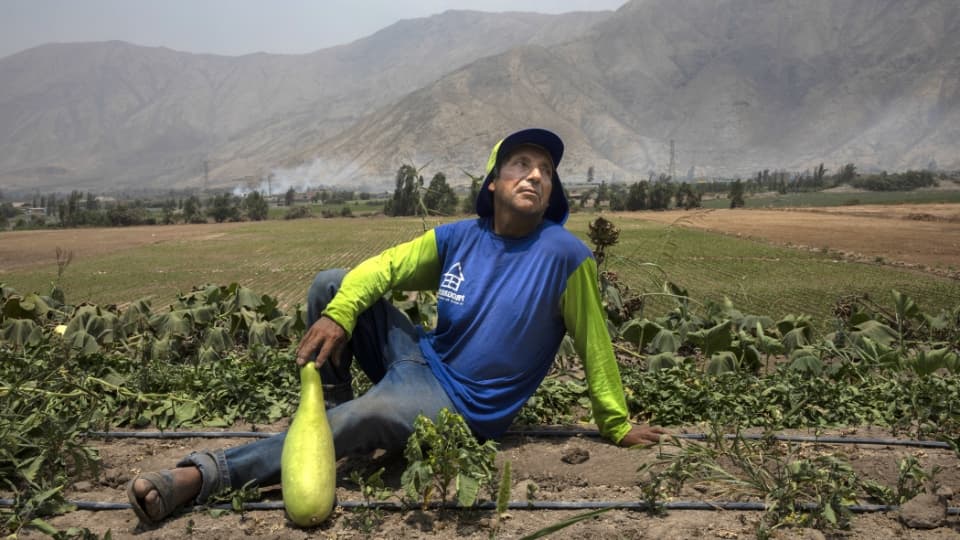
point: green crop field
(280, 257)
(832, 198)
(758, 278)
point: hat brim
(558, 209)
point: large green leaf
(103, 325)
(243, 297)
(136, 317)
(877, 331)
(81, 342)
(905, 306)
(806, 361)
(793, 322)
(218, 339)
(171, 324)
(261, 333)
(660, 361)
(285, 327)
(203, 315)
(31, 307)
(21, 332)
(639, 332)
(755, 323)
(665, 341)
(722, 362)
(796, 338)
(713, 340)
(467, 490)
(927, 362)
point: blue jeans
(385, 345)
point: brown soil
(608, 474)
(28, 248)
(922, 236)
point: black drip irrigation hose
(532, 433)
(520, 505)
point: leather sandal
(162, 482)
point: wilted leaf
(722, 362)
(806, 361)
(21, 332)
(661, 361)
(665, 341)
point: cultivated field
(773, 263)
(766, 261)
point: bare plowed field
(922, 236)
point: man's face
(525, 181)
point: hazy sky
(234, 27)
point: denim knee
(322, 290)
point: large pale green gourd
(308, 465)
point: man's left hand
(643, 434)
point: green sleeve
(586, 324)
(411, 266)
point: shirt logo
(452, 279)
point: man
(509, 285)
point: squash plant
(445, 455)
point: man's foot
(155, 495)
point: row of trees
(661, 194)
(411, 199)
(86, 210)
(819, 179)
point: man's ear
(490, 186)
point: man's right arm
(412, 266)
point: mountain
(113, 115)
(735, 85)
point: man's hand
(326, 338)
(643, 434)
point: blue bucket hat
(557, 209)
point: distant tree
(255, 206)
(168, 208)
(586, 195)
(687, 198)
(7, 210)
(819, 175)
(590, 174)
(637, 196)
(290, 196)
(847, 174)
(121, 215)
(618, 198)
(440, 198)
(603, 194)
(92, 204)
(224, 207)
(661, 193)
(51, 204)
(406, 197)
(470, 201)
(736, 194)
(192, 213)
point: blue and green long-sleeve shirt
(503, 306)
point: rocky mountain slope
(737, 85)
